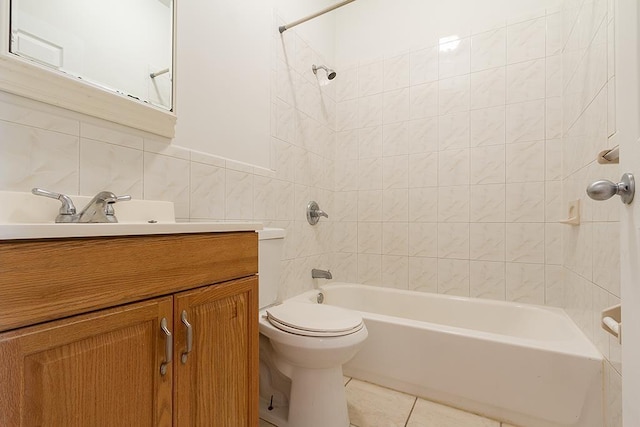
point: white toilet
(303, 346)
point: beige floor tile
(263, 423)
(345, 380)
(427, 414)
(374, 406)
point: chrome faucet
(98, 210)
(314, 213)
(321, 274)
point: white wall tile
(423, 204)
(454, 58)
(487, 126)
(347, 84)
(369, 111)
(423, 170)
(424, 66)
(395, 205)
(453, 240)
(395, 271)
(395, 172)
(34, 157)
(370, 174)
(370, 205)
(525, 121)
(487, 280)
(423, 274)
(370, 269)
(453, 204)
(424, 100)
(395, 238)
(488, 88)
(370, 78)
(526, 40)
(488, 165)
(26, 112)
(423, 239)
(487, 203)
(238, 195)
(423, 135)
(397, 72)
(525, 283)
(487, 241)
(526, 81)
(167, 178)
(454, 94)
(396, 106)
(345, 237)
(369, 237)
(489, 49)
(395, 139)
(453, 167)
(525, 161)
(525, 243)
(110, 167)
(345, 206)
(370, 142)
(453, 277)
(453, 131)
(525, 202)
(111, 133)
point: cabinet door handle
(168, 346)
(189, 336)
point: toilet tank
(270, 247)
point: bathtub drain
(320, 298)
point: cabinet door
(216, 384)
(99, 369)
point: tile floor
(373, 406)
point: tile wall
(448, 165)
(591, 253)
(49, 147)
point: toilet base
(318, 398)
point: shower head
(331, 74)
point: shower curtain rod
(284, 28)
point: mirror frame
(31, 80)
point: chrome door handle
(605, 189)
(168, 346)
(183, 316)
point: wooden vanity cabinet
(103, 367)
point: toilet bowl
(303, 346)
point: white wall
(45, 146)
(591, 255)
(448, 161)
(381, 28)
(225, 56)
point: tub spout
(321, 274)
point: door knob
(605, 189)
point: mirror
(112, 60)
(121, 45)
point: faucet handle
(67, 208)
(109, 209)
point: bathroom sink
(25, 216)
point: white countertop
(53, 230)
(26, 216)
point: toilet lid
(314, 320)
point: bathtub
(523, 364)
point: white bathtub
(525, 364)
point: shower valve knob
(605, 189)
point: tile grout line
(415, 400)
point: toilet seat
(314, 320)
